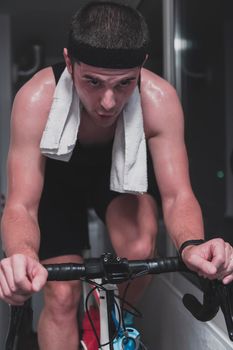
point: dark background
(207, 93)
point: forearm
(20, 232)
(183, 219)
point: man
(45, 210)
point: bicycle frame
(110, 312)
(114, 270)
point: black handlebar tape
(65, 272)
(157, 266)
(202, 312)
(167, 265)
(93, 268)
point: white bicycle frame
(105, 336)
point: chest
(91, 133)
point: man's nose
(108, 100)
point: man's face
(103, 91)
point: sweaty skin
(163, 123)
(131, 220)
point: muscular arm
(164, 129)
(20, 272)
(20, 232)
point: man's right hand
(20, 277)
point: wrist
(26, 251)
(188, 243)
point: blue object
(128, 340)
(128, 319)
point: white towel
(129, 158)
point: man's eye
(124, 82)
(93, 82)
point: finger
(20, 275)
(219, 254)
(229, 254)
(7, 295)
(203, 266)
(228, 271)
(227, 279)
(7, 300)
(228, 266)
(39, 277)
(8, 273)
(4, 285)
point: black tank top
(84, 158)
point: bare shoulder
(160, 103)
(29, 115)
(40, 86)
(153, 83)
(43, 79)
(33, 101)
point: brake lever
(210, 307)
(223, 293)
(215, 295)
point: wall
(167, 325)
(204, 72)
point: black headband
(108, 58)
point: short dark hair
(109, 25)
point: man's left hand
(212, 259)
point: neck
(91, 133)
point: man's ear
(67, 60)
